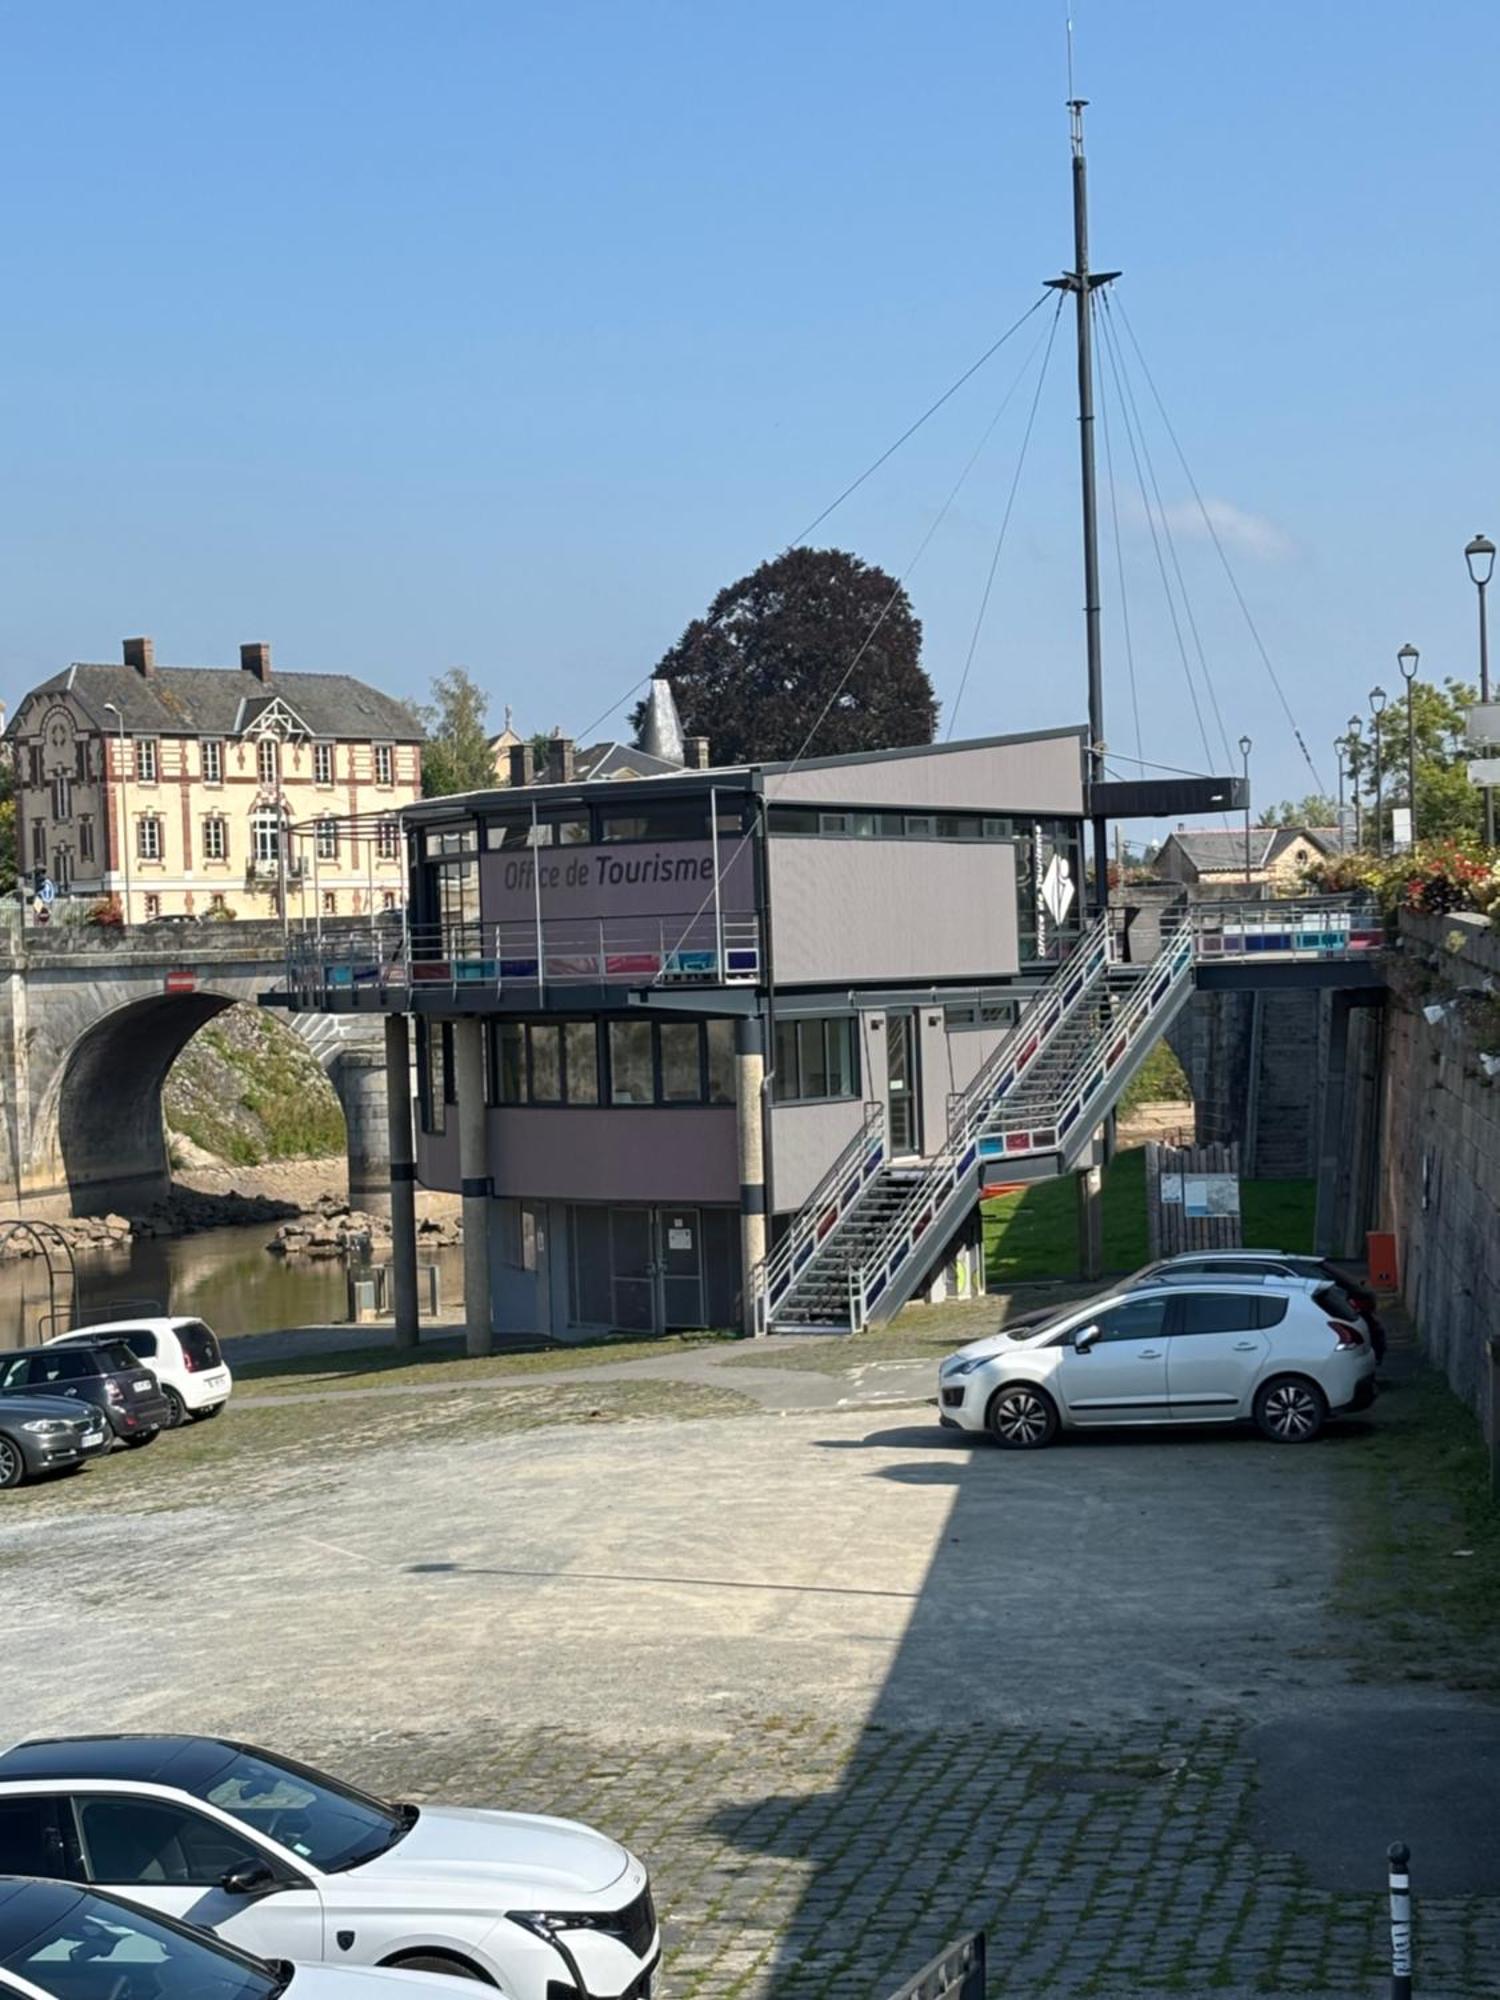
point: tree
(1448, 806)
(815, 650)
(7, 823)
(456, 756)
(1314, 810)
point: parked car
(41, 1434)
(282, 1860)
(1289, 1264)
(183, 1354)
(61, 1942)
(102, 1372)
(1165, 1352)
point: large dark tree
(816, 644)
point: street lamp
(1245, 747)
(1355, 726)
(1480, 556)
(1406, 660)
(116, 711)
(1378, 699)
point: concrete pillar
(1091, 1221)
(474, 1180)
(749, 1075)
(359, 1076)
(1331, 1200)
(403, 1178)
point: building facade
(648, 1017)
(172, 791)
(1210, 861)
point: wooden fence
(1192, 1198)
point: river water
(224, 1276)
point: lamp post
(1245, 747)
(1407, 660)
(1378, 699)
(118, 714)
(1355, 726)
(1339, 747)
(1480, 556)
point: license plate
(214, 1381)
(140, 1388)
(92, 1437)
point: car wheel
(176, 1409)
(138, 1438)
(1022, 1418)
(12, 1465)
(1290, 1410)
(434, 1961)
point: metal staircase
(872, 1229)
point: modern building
(171, 789)
(1211, 860)
(652, 1020)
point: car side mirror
(250, 1878)
(1084, 1339)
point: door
(171, 1858)
(1217, 1351)
(632, 1270)
(681, 1267)
(903, 1097)
(1120, 1376)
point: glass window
(1270, 1309)
(213, 762)
(674, 820)
(511, 830)
(451, 840)
(267, 761)
(787, 1084)
(86, 838)
(865, 826)
(508, 1224)
(145, 760)
(1136, 1319)
(148, 839)
(920, 826)
(1218, 1312)
(432, 1075)
(320, 1817)
(813, 1039)
(62, 796)
(630, 1067)
(681, 1079)
(720, 1062)
(843, 1073)
(385, 764)
(66, 1942)
(388, 840)
(215, 838)
(581, 1051)
(265, 837)
(833, 822)
(510, 1063)
(30, 1843)
(328, 840)
(130, 1842)
(323, 763)
(816, 1059)
(546, 1063)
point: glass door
(632, 1270)
(681, 1267)
(903, 1109)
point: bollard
(1399, 1858)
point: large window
(148, 838)
(645, 1062)
(385, 764)
(322, 763)
(388, 840)
(62, 796)
(328, 840)
(544, 1062)
(816, 1059)
(86, 837)
(213, 761)
(265, 838)
(215, 838)
(435, 1080)
(145, 760)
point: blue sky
(498, 335)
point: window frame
(152, 850)
(383, 763)
(268, 762)
(214, 832)
(147, 760)
(324, 749)
(326, 837)
(788, 1092)
(85, 836)
(211, 757)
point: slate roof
(221, 701)
(1217, 851)
(620, 760)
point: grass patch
(1420, 1494)
(258, 1454)
(1033, 1233)
(444, 1360)
(1278, 1215)
(917, 1333)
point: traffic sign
(47, 889)
(1485, 771)
(182, 982)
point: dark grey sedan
(40, 1434)
(104, 1373)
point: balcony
(384, 965)
(266, 874)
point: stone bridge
(90, 1023)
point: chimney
(256, 660)
(559, 759)
(522, 765)
(141, 654)
(696, 748)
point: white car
(1175, 1352)
(183, 1354)
(288, 1863)
(60, 1942)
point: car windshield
(93, 1948)
(1044, 1318)
(327, 1823)
(115, 1355)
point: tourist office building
(646, 1018)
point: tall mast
(1083, 283)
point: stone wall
(1439, 1179)
(1252, 1063)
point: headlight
(47, 1426)
(962, 1365)
(612, 1923)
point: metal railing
(466, 958)
(1309, 927)
(819, 1215)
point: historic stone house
(214, 791)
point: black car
(76, 1944)
(104, 1372)
(46, 1434)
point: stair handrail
(861, 1158)
(866, 1151)
(961, 1149)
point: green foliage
(1436, 877)
(1278, 1214)
(7, 824)
(248, 1089)
(456, 756)
(1448, 806)
(1317, 809)
(813, 644)
(1160, 1079)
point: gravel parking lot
(850, 1684)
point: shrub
(106, 913)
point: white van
(183, 1354)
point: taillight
(1346, 1335)
(114, 1392)
(188, 1362)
